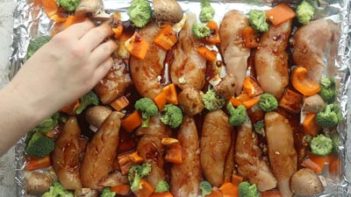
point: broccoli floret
(140, 12)
(172, 116)
(212, 101)
(321, 145)
(305, 12)
(136, 173)
(68, 5)
(39, 145)
(268, 102)
(237, 116)
(106, 192)
(57, 190)
(48, 124)
(328, 90)
(162, 186)
(35, 44)
(258, 21)
(89, 99)
(206, 188)
(147, 108)
(207, 12)
(259, 127)
(201, 30)
(329, 117)
(247, 190)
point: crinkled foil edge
(30, 21)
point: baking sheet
(30, 21)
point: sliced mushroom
(93, 7)
(306, 183)
(37, 182)
(167, 10)
(97, 115)
(313, 103)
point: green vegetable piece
(205, 188)
(328, 90)
(237, 116)
(259, 127)
(248, 190)
(68, 5)
(136, 173)
(106, 192)
(39, 145)
(207, 11)
(89, 99)
(147, 108)
(172, 116)
(57, 190)
(212, 101)
(201, 30)
(258, 21)
(329, 117)
(48, 124)
(140, 12)
(305, 12)
(36, 44)
(268, 102)
(162, 186)
(321, 145)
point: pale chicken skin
(66, 156)
(271, 59)
(281, 150)
(235, 55)
(230, 162)
(249, 160)
(185, 177)
(215, 146)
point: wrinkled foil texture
(30, 21)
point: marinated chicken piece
(155, 128)
(114, 84)
(226, 87)
(235, 55)
(66, 156)
(230, 161)
(281, 150)
(315, 46)
(250, 165)
(37, 182)
(101, 152)
(185, 177)
(271, 59)
(96, 115)
(215, 146)
(191, 101)
(86, 192)
(146, 74)
(114, 179)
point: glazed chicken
(249, 160)
(281, 150)
(271, 59)
(185, 177)
(230, 161)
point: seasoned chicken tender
(191, 101)
(215, 146)
(281, 150)
(185, 177)
(155, 128)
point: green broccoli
(329, 117)
(162, 186)
(140, 12)
(258, 21)
(57, 190)
(35, 44)
(89, 99)
(147, 108)
(336, 141)
(172, 116)
(321, 145)
(305, 12)
(248, 190)
(328, 90)
(268, 102)
(106, 192)
(237, 116)
(48, 124)
(68, 5)
(207, 12)
(136, 173)
(259, 127)
(206, 188)
(39, 145)
(201, 30)
(212, 101)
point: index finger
(80, 29)
(96, 36)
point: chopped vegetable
(206, 53)
(167, 38)
(57, 190)
(280, 14)
(247, 190)
(48, 124)
(174, 154)
(38, 163)
(120, 103)
(137, 46)
(106, 192)
(124, 163)
(205, 188)
(161, 100)
(163, 194)
(328, 89)
(321, 145)
(68, 5)
(212, 101)
(71, 108)
(268, 102)
(50, 7)
(216, 193)
(146, 189)
(214, 38)
(258, 21)
(315, 166)
(122, 190)
(73, 19)
(162, 186)
(172, 116)
(229, 190)
(118, 31)
(201, 30)
(244, 99)
(305, 12)
(237, 115)
(259, 127)
(291, 101)
(140, 12)
(135, 157)
(335, 166)
(236, 180)
(36, 44)
(302, 83)
(136, 173)
(310, 125)
(171, 94)
(147, 108)
(89, 99)
(169, 141)
(207, 11)
(251, 87)
(131, 122)
(329, 117)
(39, 145)
(249, 37)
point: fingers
(95, 36)
(102, 70)
(102, 52)
(80, 29)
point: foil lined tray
(30, 21)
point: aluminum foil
(30, 21)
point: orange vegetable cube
(291, 101)
(280, 14)
(174, 154)
(131, 122)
